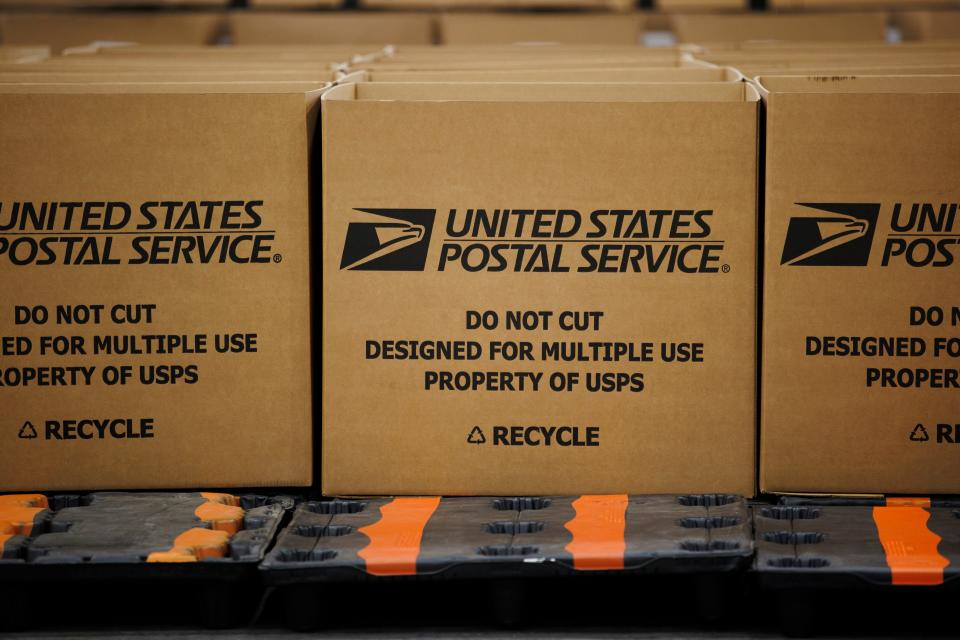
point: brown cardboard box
(137, 77)
(331, 28)
(928, 25)
(666, 59)
(485, 5)
(110, 4)
(848, 160)
(175, 415)
(787, 64)
(99, 64)
(403, 164)
(846, 5)
(751, 71)
(708, 28)
(295, 4)
(23, 54)
(702, 5)
(566, 28)
(521, 65)
(264, 52)
(627, 74)
(63, 30)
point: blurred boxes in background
(295, 4)
(928, 25)
(565, 28)
(846, 26)
(331, 28)
(512, 5)
(701, 6)
(24, 53)
(599, 74)
(62, 30)
(860, 5)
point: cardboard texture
(639, 74)
(708, 28)
(846, 5)
(111, 4)
(295, 4)
(23, 54)
(331, 28)
(407, 166)
(859, 375)
(565, 28)
(138, 77)
(928, 25)
(702, 5)
(63, 30)
(666, 60)
(477, 5)
(190, 218)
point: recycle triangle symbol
(919, 434)
(27, 432)
(476, 436)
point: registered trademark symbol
(725, 268)
(279, 258)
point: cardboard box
(139, 77)
(702, 5)
(846, 5)
(486, 5)
(63, 30)
(751, 71)
(295, 4)
(111, 4)
(566, 28)
(860, 240)
(708, 28)
(290, 28)
(406, 169)
(664, 60)
(23, 54)
(192, 227)
(928, 25)
(628, 74)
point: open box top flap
(544, 92)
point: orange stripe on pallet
(395, 538)
(225, 518)
(18, 511)
(25, 500)
(910, 547)
(193, 545)
(598, 532)
(222, 517)
(907, 502)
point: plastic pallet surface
(901, 542)
(129, 535)
(343, 540)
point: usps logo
(387, 239)
(830, 235)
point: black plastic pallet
(826, 545)
(213, 540)
(509, 544)
(345, 540)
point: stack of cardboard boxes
(534, 267)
